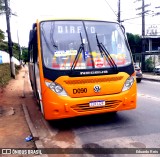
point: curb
(38, 143)
(151, 79)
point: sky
(29, 10)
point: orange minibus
(81, 67)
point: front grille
(85, 107)
(95, 80)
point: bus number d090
(79, 90)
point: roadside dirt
(13, 125)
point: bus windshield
(62, 40)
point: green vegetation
(2, 7)
(5, 75)
(135, 43)
(15, 48)
(24, 55)
(149, 64)
(1, 36)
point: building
(153, 41)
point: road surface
(137, 128)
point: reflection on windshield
(61, 42)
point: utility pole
(143, 30)
(157, 13)
(20, 50)
(12, 67)
(143, 19)
(143, 34)
(119, 11)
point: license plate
(97, 103)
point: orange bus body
(62, 107)
(80, 92)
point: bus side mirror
(123, 28)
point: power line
(137, 17)
(118, 16)
(111, 8)
(139, 24)
(132, 18)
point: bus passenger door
(33, 64)
(36, 73)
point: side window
(33, 50)
(31, 54)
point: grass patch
(5, 74)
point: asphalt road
(137, 128)
(149, 88)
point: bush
(149, 65)
(5, 75)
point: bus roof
(73, 18)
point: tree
(24, 54)
(3, 44)
(2, 7)
(149, 64)
(2, 37)
(15, 49)
(134, 42)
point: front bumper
(66, 107)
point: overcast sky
(29, 10)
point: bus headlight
(56, 88)
(128, 84)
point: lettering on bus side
(79, 90)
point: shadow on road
(107, 119)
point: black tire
(113, 113)
(139, 80)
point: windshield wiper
(80, 50)
(51, 36)
(105, 52)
